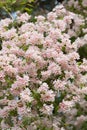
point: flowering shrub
(43, 83)
(76, 6)
(79, 7)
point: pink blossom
(48, 96)
(43, 88)
(9, 34)
(23, 17)
(59, 85)
(84, 3)
(26, 95)
(47, 109)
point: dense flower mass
(43, 82)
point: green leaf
(28, 10)
(84, 126)
(64, 49)
(13, 112)
(59, 40)
(73, 39)
(9, 121)
(1, 119)
(26, 121)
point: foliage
(10, 6)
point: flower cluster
(76, 6)
(43, 82)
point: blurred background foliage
(7, 7)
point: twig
(8, 12)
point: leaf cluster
(9, 6)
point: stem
(8, 12)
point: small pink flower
(47, 109)
(26, 95)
